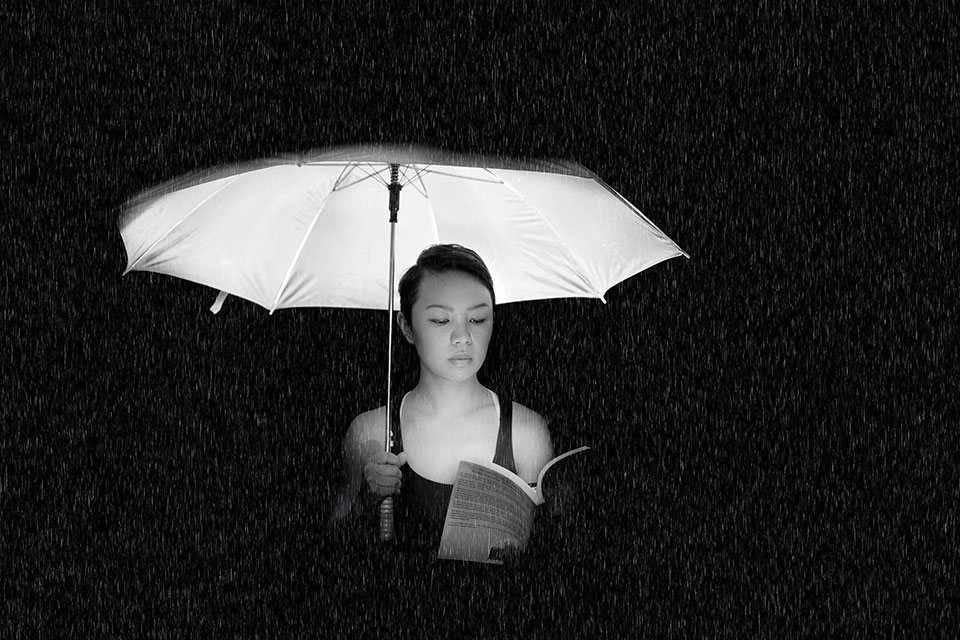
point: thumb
(402, 458)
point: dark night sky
(776, 449)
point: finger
(372, 468)
(384, 471)
(381, 457)
(385, 479)
(387, 458)
(388, 481)
(379, 484)
(394, 459)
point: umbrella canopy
(310, 231)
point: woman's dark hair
(440, 258)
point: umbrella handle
(387, 531)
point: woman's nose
(461, 334)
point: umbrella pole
(387, 530)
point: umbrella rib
(296, 256)
(375, 175)
(641, 215)
(574, 258)
(418, 171)
(163, 236)
(460, 176)
(422, 184)
(495, 176)
(412, 182)
(344, 173)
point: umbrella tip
(218, 303)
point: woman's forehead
(452, 288)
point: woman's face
(450, 325)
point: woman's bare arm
(360, 443)
(532, 446)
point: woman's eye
(439, 321)
(478, 320)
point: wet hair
(440, 258)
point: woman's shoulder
(532, 445)
(368, 423)
(526, 419)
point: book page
(487, 512)
(547, 466)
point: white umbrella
(309, 231)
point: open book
(491, 508)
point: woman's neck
(442, 397)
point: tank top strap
(504, 452)
(396, 446)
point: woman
(447, 313)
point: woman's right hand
(382, 473)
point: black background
(773, 416)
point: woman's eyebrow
(447, 308)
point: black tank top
(422, 504)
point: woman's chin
(460, 373)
